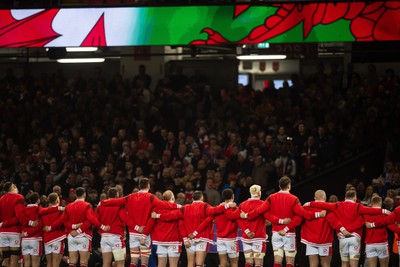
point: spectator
(333, 199)
(260, 173)
(143, 76)
(388, 203)
(309, 155)
(368, 196)
(214, 198)
(285, 165)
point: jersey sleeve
(48, 210)
(296, 221)
(232, 214)
(357, 224)
(149, 226)
(271, 218)
(91, 217)
(157, 203)
(387, 220)
(324, 205)
(114, 201)
(172, 215)
(260, 210)
(204, 224)
(33, 230)
(368, 210)
(182, 229)
(60, 221)
(243, 225)
(123, 215)
(395, 228)
(333, 221)
(300, 211)
(213, 211)
(86, 225)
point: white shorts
(56, 248)
(79, 243)
(287, 242)
(320, 251)
(257, 246)
(380, 251)
(228, 247)
(134, 241)
(349, 246)
(31, 247)
(170, 250)
(11, 240)
(197, 246)
(111, 242)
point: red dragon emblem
(369, 22)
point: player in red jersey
(283, 205)
(112, 240)
(376, 239)
(349, 212)
(166, 234)
(32, 233)
(139, 206)
(254, 234)
(392, 221)
(53, 241)
(227, 230)
(11, 207)
(193, 215)
(78, 219)
(317, 234)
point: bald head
(168, 196)
(320, 195)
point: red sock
(248, 265)
(133, 265)
(71, 265)
(289, 265)
(278, 265)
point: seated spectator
(285, 165)
(368, 196)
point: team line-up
(24, 229)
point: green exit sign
(263, 45)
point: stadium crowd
(61, 133)
(185, 135)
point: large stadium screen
(236, 24)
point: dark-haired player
(32, 233)
(54, 240)
(112, 240)
(349, 212)
(11, 207)
(78, 219)
(193, 215)
(139, 206)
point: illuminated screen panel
(244, 24)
